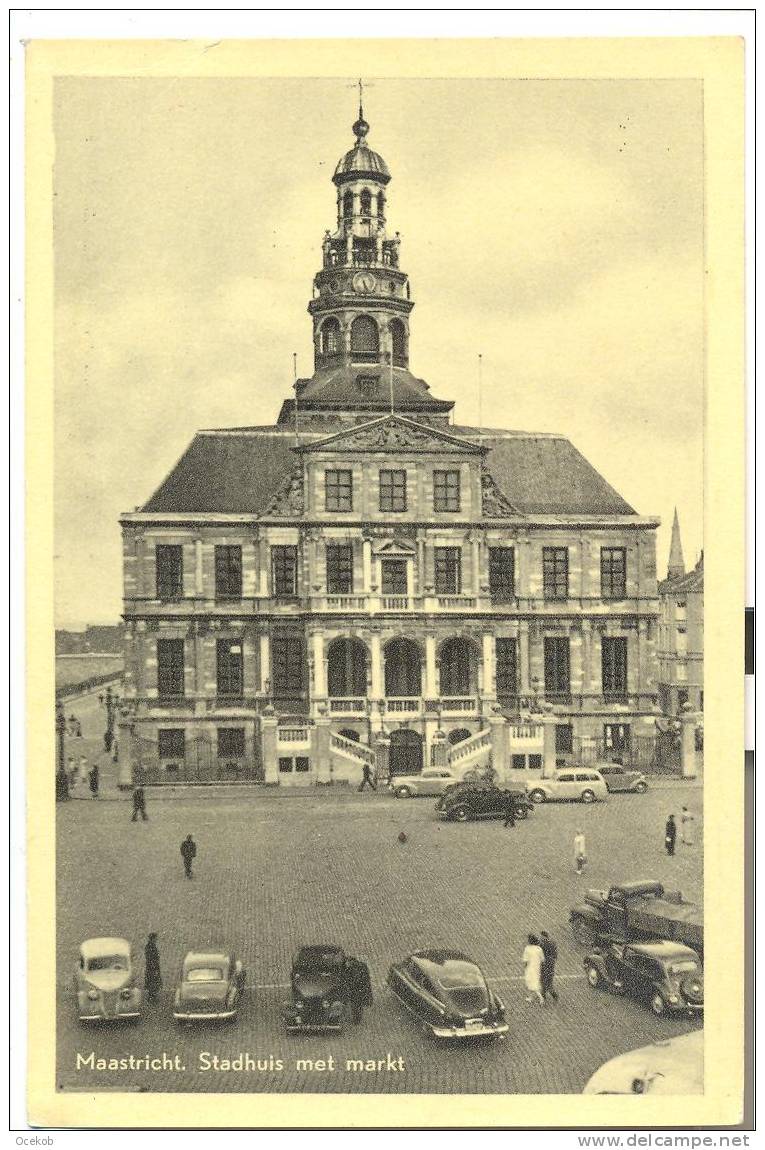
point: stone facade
(364, 583)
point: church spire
(676, 565)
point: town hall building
(365, 582)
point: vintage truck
(637, 912)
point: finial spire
(676, 565)
(361, 127)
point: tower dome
(361, 161)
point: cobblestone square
(278, 870)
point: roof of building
(691, 581)
(241, 470)
(362, 387)
(361, 160)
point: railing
(408, 705)
(395, 602)
(476, 743)
(293, 735)
(337, 259)
(458, 602)
(528, 732)
(350, 747)
(458, 704)
(355, 705)
(346, 602)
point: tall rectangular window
(228, 572)
(446, 490)
(448, 570)
(394, 577)
(338, 490)
(170, 660)
(230, 742)
(613, 572)
(501, 574)
(564, 739)
(617, 738)
(284, 571)
(339, 568)
(555, 572)
(393, 491)
(287, 664)
(614, 667)
(506, 656)
(557, 666)
(169, 563)
(230, 668)
(172, 744)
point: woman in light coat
(533, 957)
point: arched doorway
(346, 669)
(403, 669)
(405, 752)
(458, 665)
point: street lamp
(62, 781)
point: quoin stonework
(366, 582)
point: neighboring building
(364, 582)
(97, 639)
(681, 632)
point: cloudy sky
(553, 226)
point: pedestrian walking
(115, 752)
(71, 770)
(550, 951)
(93, 780)
(72, 721)
(152, 971)
(509, 803)
(77, 729)
(358, 988)
(686, 827)
(139, 805)
(83, 770)
(108, 736)
(189, 853)
(533, 958)
(670, 834)
(580, 851)
(367, 778)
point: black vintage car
(481, 800)
(667, 975)
(329, 989)
(447, 992)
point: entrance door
(405, 752)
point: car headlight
(93, 995)
(126, 993)
(674, 998)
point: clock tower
(361, 301)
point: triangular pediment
(393, 547)
(394, 433)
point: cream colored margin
(719, 62)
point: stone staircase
(352, 751)
(470, 753)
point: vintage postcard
(385, 472)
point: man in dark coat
(188, 851)
(509, 803)
(93, 781)
(152, 972)
(358, 987)
(670, 834)
(139, 805)
(367, 779)
(550, 951)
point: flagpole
(294, 384)
(480, 397)
(391, 379)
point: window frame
(564, 746)
(610, 572)
(498, 593)
(339, 569)
(227, 732)
(174, 589)
(555, 574)
(229, 669)
(165, 751)
(504, 644)
(401, 565)
(290, 652)
(447, 570)
(284, 556)
(224, 569)
(614, 666)
(392, 495)
(338, 492)
(447, 489)
(561, 687)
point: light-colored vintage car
(210, 986)
(431, 781)
(674, 1066)
(105, 981)
(575, 784)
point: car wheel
(461, 813)
(583, 932)
(588, 796)
(658, 1005)
(403, 792)
(521, 812)
(641, 788)
(537, 796)
(594, 977)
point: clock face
(364, 282)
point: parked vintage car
(329, 989)
(480, 800)
(105, 981)
(667, 975)
(576, 784)
(618, 778)
(447, 992)
(432, 781)
(210, 986)
(672, 1066)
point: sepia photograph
(379, 406)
